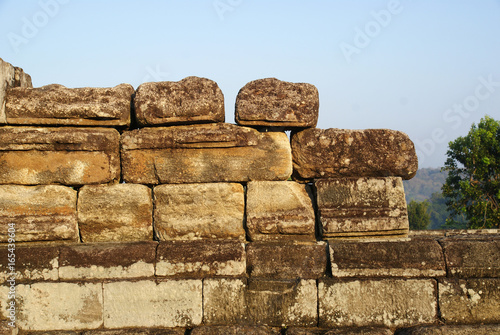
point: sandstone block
(235, 330)
(197, 211)
(201, 258)
(107, 260)
(191, 100)
(37, 213)
(204, 153)
(128, 208)
(68, 156)
(150, 304)
(271, 303)
(470, 301)
(279, 210)
(55, 105)
(389, 302)
(32, 263)
(340, 331)
(286, 261)
(336, 153)
(10, 77)
(415, 258)
(272, 102)
(136, 331)
(354, 207)
(452, 330)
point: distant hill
(426, 182)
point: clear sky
(425, 67)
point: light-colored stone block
(10, 77)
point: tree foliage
(418, 215)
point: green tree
(472, 188)
(418, 215)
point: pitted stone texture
(416, 258)
(38, 213)
(272, 102)
(68, 156)
(191, 100)
(338, 153)
(286, 261)
(127, 209)
(279, 210)
(235, 330)
(55, 105)
(203, 154)
(271, 303)
(198, 211)
(149, 304)
(10, 77)
(107, 260)
(470, 301)
(341, 331)
(389, 302)
(32, 263)
(201, 258)
(357, 207)
(452, 330)
(136, 331)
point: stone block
(279, 210)
(286, 261)
(452, 330)
(357, 207)
(191, 100)
(415, 258)
(340, 331)
(55, 105)
(68, 156)
(388, 302)
(38, 213)
(235, 330)
(136, 331)
(32, 263)
(470, 301)
(272, 102)
(10, 77)
(203, 154)
(201, 258)
(339, 153)
(271, 303)
(107, 260)
(150, 304)
(198, 211)
(128, 208)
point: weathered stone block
(10, 77)
(201, 258)
(107, 260)
(196, 211)
(286, 261)
(452, 330)
(353, 207)
(135, 331)
(32, 263)
(272, 102)
(128, 208)
(470, 301)
(204, 153)
(389, 302)
(279, 210)
(149, 304)
(415, 258)
(38, 213)
(340, 331)
(235, 330)
(58, 105)
(191, 100)
(271, 303)
(68, 156)
(338, 153)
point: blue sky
(427, 68)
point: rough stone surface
(32, 263)
(10, 77)
(271, 303)
(136, 331)
(452, 330)
(128, 208)
(204, 153)
(107, 260)
(272, 102)
(362, 206)
(145, 303)
(415, 258)
(279, 210)
(470, 301)
(360, 331)
(191, 100)
(388, 302)
(59, 105)
(68, 156)
(235, 330)
(338, 153)
(201, 258)
(286, 261)
(196, 211)
(38, 213)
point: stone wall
(140, 211)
